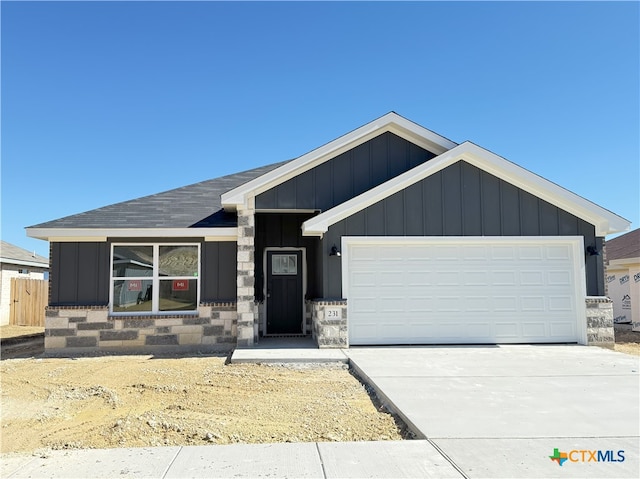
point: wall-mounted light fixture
(334, 251)
(592, 251)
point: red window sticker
(134, 285)
(180, 285)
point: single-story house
(389, 234)
(16, 262)
(623, 278)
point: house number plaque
(333, 313)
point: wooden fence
(29, 297)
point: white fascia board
(95, 234)
(605, 222)
(391, 122)
(35, 264)
(624, 263)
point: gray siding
(284, 230)
(79, 274)
(218, 271)
(347, 175)
(461, 200)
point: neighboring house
(623, 277)
(390, 234)
(16, 262)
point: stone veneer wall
(247, 309)
(329, 333)
(86, 328)
(600, 321)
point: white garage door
(464, 290)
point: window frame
(155, 279)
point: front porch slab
(287, 350)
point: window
(284, 264)
(155, 278)
(23, 271)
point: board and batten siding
(346, 176)
(219, 271)
(461, 200)
(79, 274)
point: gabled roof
(13, 254)
(605, 221)
(626, 246)
(167, 213)
(391, 122)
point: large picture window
(154, 278)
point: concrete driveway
(502, 411)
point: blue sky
(110, 101)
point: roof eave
(101, 234)
(36, 264)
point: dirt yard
(627, 341)
(136, 401)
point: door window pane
(284, 264)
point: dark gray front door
(284, 292)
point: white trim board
(605, 221)
(62, 235)
(391, 122)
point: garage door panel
(560, 303)
(531, 278)
(559, 278)
(477, 304)
(527, 253)
(463, 293)
(452, 331)
(364, 305)
(475, 278)
(562, 329)
(474, 253)
(507, 304)
(558, 252)
(507, 330)
(503, 253)
(503, 278)
(534, 330)
(532, 303)
(480, 330)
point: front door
(284, 292)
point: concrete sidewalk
(383, 459)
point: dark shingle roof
(10, 252)
(624, 246)
(196, 206)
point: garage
(464, 290)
